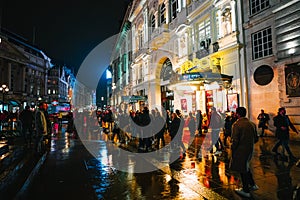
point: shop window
(263, 75)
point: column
(156, 19)
(179, 5)
(145, 13)
(233, 15)
(220, 23)
(133, 38)
(167, 12)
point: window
(258, 5)
(262, 43)
(152, 22)
(174, 8)
(140, 39)
(204, 34)
(263, 75)
(162, 14)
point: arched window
(162, 14)
(174, 8)
(152, 22)
(166, 71)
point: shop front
(200, 91)
(133, 103)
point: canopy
(14, 103)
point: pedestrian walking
(41, 128)
(263, 120)
(159, 127)
(205, 123)
(26, 117)
(229, 120)
(244, 136)
(178, 140)
(216, 123)
(175, 131)
(282, 123)
(191, 121)
(199, 121)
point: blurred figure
(216, 123)
(244, 135)
(282, 123)
(26, 117)
(263, 119)
(191, 121)
(205, 123)
(41, 127)
(199, 121)
(180, 133)
(229, 120)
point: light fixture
(291, 51)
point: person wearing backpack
(216, 123)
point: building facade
(191, 55)
(24, 70)
(273, 46)
(181, 55)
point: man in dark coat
(244, 135)
(27, 119)
(282, 123)
(263, 121)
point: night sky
(66, 31)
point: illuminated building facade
(192, 55)
(272, 54)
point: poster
(233, 101)
(184, 105)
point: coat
(244, 135)
(283, 121)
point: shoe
(253, 188)
(241, 192)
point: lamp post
(4, 89)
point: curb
(29, 179)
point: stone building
(24, 69)
(180, 55)
(272, 53)
(192, 55)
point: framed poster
(232, 101)
(183, 105)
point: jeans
(215, 137)
(285, 145)
(247, 180)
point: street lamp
(4, 89)
(102, 102)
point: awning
(14, 103)
(200, 76)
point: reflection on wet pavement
(186, 178)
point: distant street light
(4, 89)
(102, 100)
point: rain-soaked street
(72, 172)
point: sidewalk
(15, 168)
(276, 177)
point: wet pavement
(70, 171)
